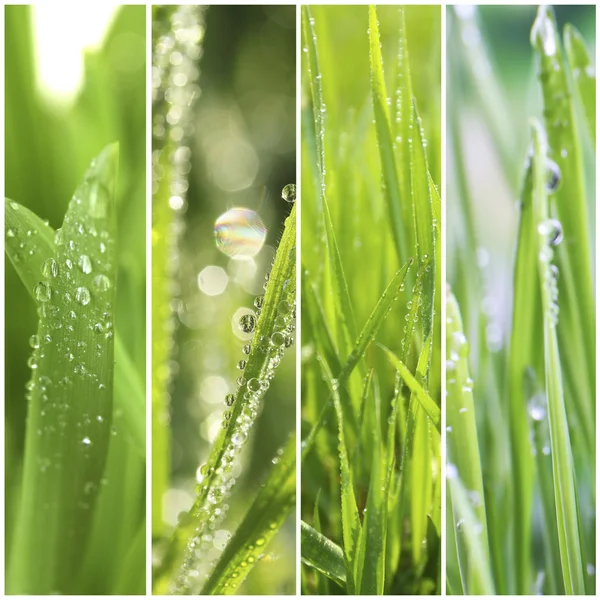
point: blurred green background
(243, 153)
(49, 143)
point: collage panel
(224, 299)
(520, 301)
(75, 329)
(371, 289)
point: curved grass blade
(129, 394)
(70, 400)
(562, 460)
(384, 135)
(576, 330)
(584, 75)
(174, 573)
(367, 334)
(463, 447)
(322, 554)
(479, 577)
(351, 525)
(526, 329)
(260, 525)
(425, 400)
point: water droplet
(85, 264)
(86, 441)
(553, 176)
(552, 229)
(278, 339)
(215, 495)
(537, 407)
(82, 295)
(50, 268)
(14, 206)
(247, 348)
(254, 385)
(543, 30)
(241, 365)
(229, 399)
(101, 283)
(240, 233)
(289, 193)
(58, 237)
(247, 323)
(42, 292)
(98, 328)
(259, 301)
(11, 232)
(34, 341)
(238, 438)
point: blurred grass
(524, 446)
(370, 470)
(243, 154)
(48, 148)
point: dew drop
(11, 232)
(537, 407)
(85, 264)
(229, 399)
(42, 292)
(34, 341)
(50, 268)
(82, 295)
(289, 193)
(240, 233)
(278, 339)
(254, 385)
(553, 176)
(247, 323)
(552, 229)
(238, 438)
(86, 441)
(259, 301)
(101, 283)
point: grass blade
(562, 460)
(463, 447)
(576, 331)
(130, 403)
(262, 522)
(174, 573)
(70, 403)
(367, 334)
(425, 400)
(384, 135)
(584, 75)
(322, 554)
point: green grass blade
(351, 525)
(322, 554)
(129, 390)
(576, 330)
(526, 325)
(584, 75)
(562, 459)
(463, 447)
(425, 400)
(367, 334)
(384, 136)
(478, 580)
(265, 355)
(70, 402)
(260, 525)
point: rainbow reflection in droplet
(240, 233)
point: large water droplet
(85, 264)
(537, 407)
(289, 193)
(552, 229)
(240, 233)
(101, 283)
(82, 295)
(42, 292)
(247, 323)
(50, 268)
